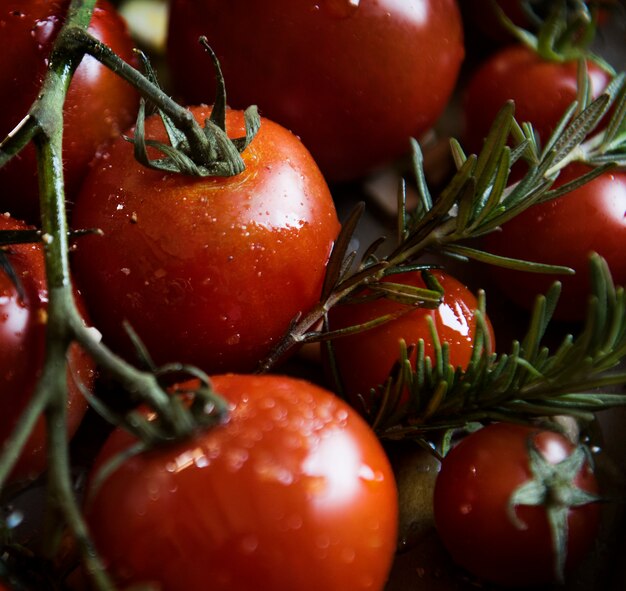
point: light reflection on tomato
(365, 359)
(293, 490)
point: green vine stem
(43, 125)
(477, 200)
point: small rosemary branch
(476, 201)
(528, 382)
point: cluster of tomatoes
(293, 490)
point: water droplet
(376, 542)
(342, 416)
(212, 449)
(466, 509)
(249, 544)
(368, 474)
(154, 491)
(14, 519)
(43, 30)
(294, 521)
(340, 8)
(233, 339)
(367, 581)
(348, 555)
(236, 458)
(201, 461)
(322, 541)
(268, 469)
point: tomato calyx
(194, 150)
(181, 413)
(564, 34)
(553, 488)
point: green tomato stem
(184, 120)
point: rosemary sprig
(530, 381)
(476, 201)
(563, 30)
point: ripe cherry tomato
(211, 270)
(293, 491)
(471, 501)
(355, 79)
(542, 91)
(564, 232)
(99, 105)
(365, 359)
(22, 350)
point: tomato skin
(565, 231)
(542, 91)
(318, 67)
(365, 358)
(474, 485)
(99, 104)
(22, 351)
(208, 271)
(293, 492)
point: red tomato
(355, 79)
(22, 350)
(542, 91)
(293, 491)
(99, 104)
(364, 359)
(564, 232)
(207, 271)
(471, 500)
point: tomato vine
(477, 200)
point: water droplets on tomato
(268, 469)
(233, 339)
(14, 519)
(236, 458)
(465, 509)
(348, 555)
(338, 8)
(201, 461)
(249, 544)
(154, 490)
(292, 522)
(367, 474)
(43, 30)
